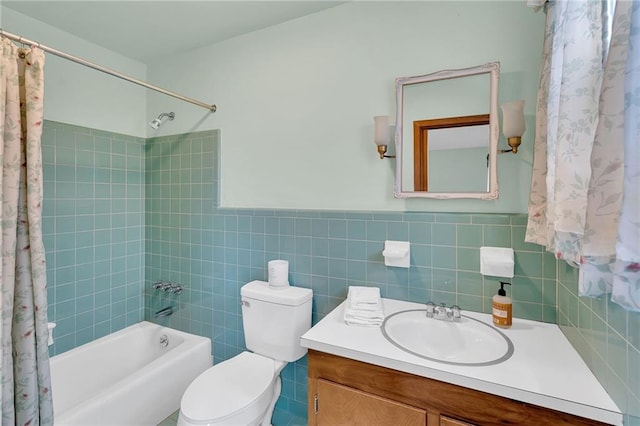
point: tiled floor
(280, 418)
(171, 420)
(283, 418)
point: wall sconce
(513, 126)
(381, 135)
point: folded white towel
(365, 315)
(364, 297)
(355, 320)
(363, 306)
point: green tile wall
(93, 231)
(181, 186)
(607, 337)
(213, 252)
(121, 213)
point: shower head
(157, 122)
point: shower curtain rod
(86, 63)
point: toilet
(243, 390)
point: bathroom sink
(468, 342)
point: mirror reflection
(438, 142)
(446, 133)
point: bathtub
(135, 376)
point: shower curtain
(26, 382)
(585, 190)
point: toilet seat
(237, 388)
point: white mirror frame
(493, 68)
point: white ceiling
(144, 30)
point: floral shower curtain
(26, 382)
(585, 190)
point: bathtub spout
(164, 312)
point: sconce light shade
(381, 134)
(513, 125)
(381, 129)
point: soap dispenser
(502, 308)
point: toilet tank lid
(290, 296)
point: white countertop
(544, 370)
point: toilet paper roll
(278, 273)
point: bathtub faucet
(168, 287)
(165, 312)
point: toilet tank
(274, 319)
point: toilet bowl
(238, 392)
(243, 390)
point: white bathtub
(128, 377)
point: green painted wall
(296, 101)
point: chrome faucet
(431, 309)
(165, 312)
(441, 311)
(454, 313)
(168, 287)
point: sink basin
(469, 342)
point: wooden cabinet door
(342, 405)
(448, 421)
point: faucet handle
(431, 308)
(456, 313)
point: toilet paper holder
(397, 253)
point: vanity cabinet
(448, 421)
(347, 392)
(349, 406)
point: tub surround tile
(92, 203)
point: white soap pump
(502, 308)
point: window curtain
(26, 382)
(584, 202)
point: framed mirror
(447, 134)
